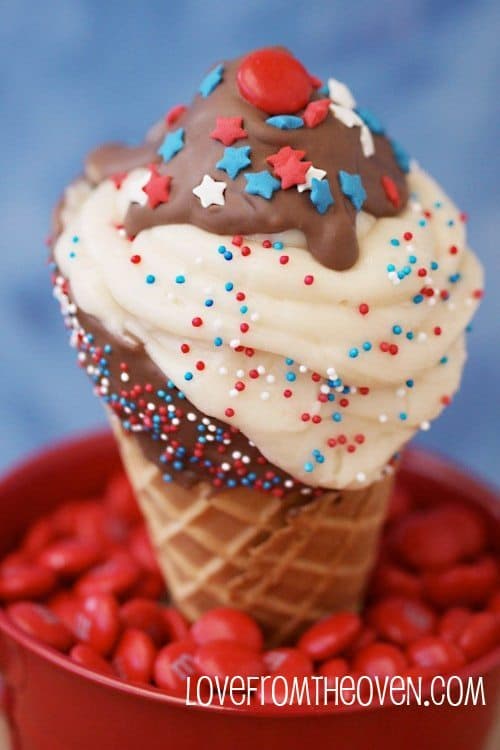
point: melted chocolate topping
(330, 146)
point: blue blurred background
(77, 72)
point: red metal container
(54, 704)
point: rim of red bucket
(416, 461)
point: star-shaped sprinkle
(234, 160)
(172, 144)
(210, 192)
(285, 122)
(367, 143)
(228, 130)
(312, 173)
(346, 116)
(391, 190)
(282, 156)
(118, 178)
(261, 183)
(371, 121)
(402, 158)
(340, 93)
(174, 113)
(352, 187)
(211, 81)
(316, 112)
(158, 187)
(292, 171)
(321, 195)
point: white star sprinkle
(347, 116)
(312, 174)
(210, 192)
(339, 92)
(367, 143)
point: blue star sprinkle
(172, 144)
(370, 120)
(352, 187)
(261, 183)
(285, 122)
(401, 156)
(234, 160)
(321, 195)
(211, 81)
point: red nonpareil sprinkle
(422, 272)
(342, 440)
(445, 400)
(200, 365)
(407, 236)
(229, 412)
(287, 393)
(331, 442)
(267, 244)
(453, 250)
(135, 259)
(363, 308)
(478, 294)
(237, 240)
(240, 296)
(363, 390)
(305, 417)
(428, 214)
(316, 112)
(359, 438)
(244, 327)
(174, 113)
(253, 374)
(316, 377)
(351, 448)
(185, 348)
(393, 349)
(284, 259)
(239, 385)
(344, 402)
(444, 294)
(384, 346)
(463, 217)
(197, 322)
(308, 280)
(316, 419)
(245, 251)
(391, 190)
(437, 331)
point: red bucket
(54, 704)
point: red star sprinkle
(118, 179)
(228, 130)
(315, 81)
(158, 187)
(174, 113)
(292, 172)
(391, 190)
(316, 112)
(282, 156)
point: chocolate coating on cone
(331, 146)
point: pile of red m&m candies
(84, 581)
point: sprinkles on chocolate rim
(264, 292)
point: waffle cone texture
(286, 563)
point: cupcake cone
(286, 564)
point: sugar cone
(285, 563)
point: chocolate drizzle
(331, 146)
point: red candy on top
(274, 81)
(85, 582)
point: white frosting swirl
(317, 325)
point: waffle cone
(286, 563)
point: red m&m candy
(273, 80)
